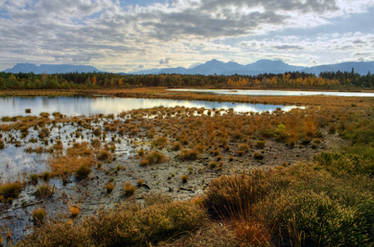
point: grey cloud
(358, 41)
(288, 47)
(362, 54)
(305, 6)
(164, 61)
(169, 26)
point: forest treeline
(326, 80)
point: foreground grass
(130, 226)
(326, 202)
(317, 204)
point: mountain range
(260, 67)
(50, 68)
(209, 68)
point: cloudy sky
(130, 35)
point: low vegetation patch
(39, 215)
(130, 189)
(188, 154)
(82, 172)
(154, 157)
(9, 191)
(122, 227)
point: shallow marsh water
(14, 106)
(274, 92)
(15, 162)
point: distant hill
(50, 68)
(209, 68)
(359, 67)
(260, 67)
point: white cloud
(104, 34)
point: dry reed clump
(44, 191)
(236, 195)
(39, 215)
(258, 156)
(82, 172)
(260, 144)
(109, 187)
(140, 182)
(122, 227)
(105, 156)
(176, 146)
(2, 144)
(252, 233)
(10, 191)
(159, 142)
(184, 178)
(154, 157)
(129, 189)
(78, 156)
(188, 154)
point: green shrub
(357, 160)
(314, 219)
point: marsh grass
(129, 189)
(44, 191)
(134, 226)
(154, 157)
(82, 172)
(188, 154)
(39, 215)
(10, 191)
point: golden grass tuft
(188, 154)
(39, 215)
(74, 211)
(9, 191)
(129, 189)
(154, 157)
